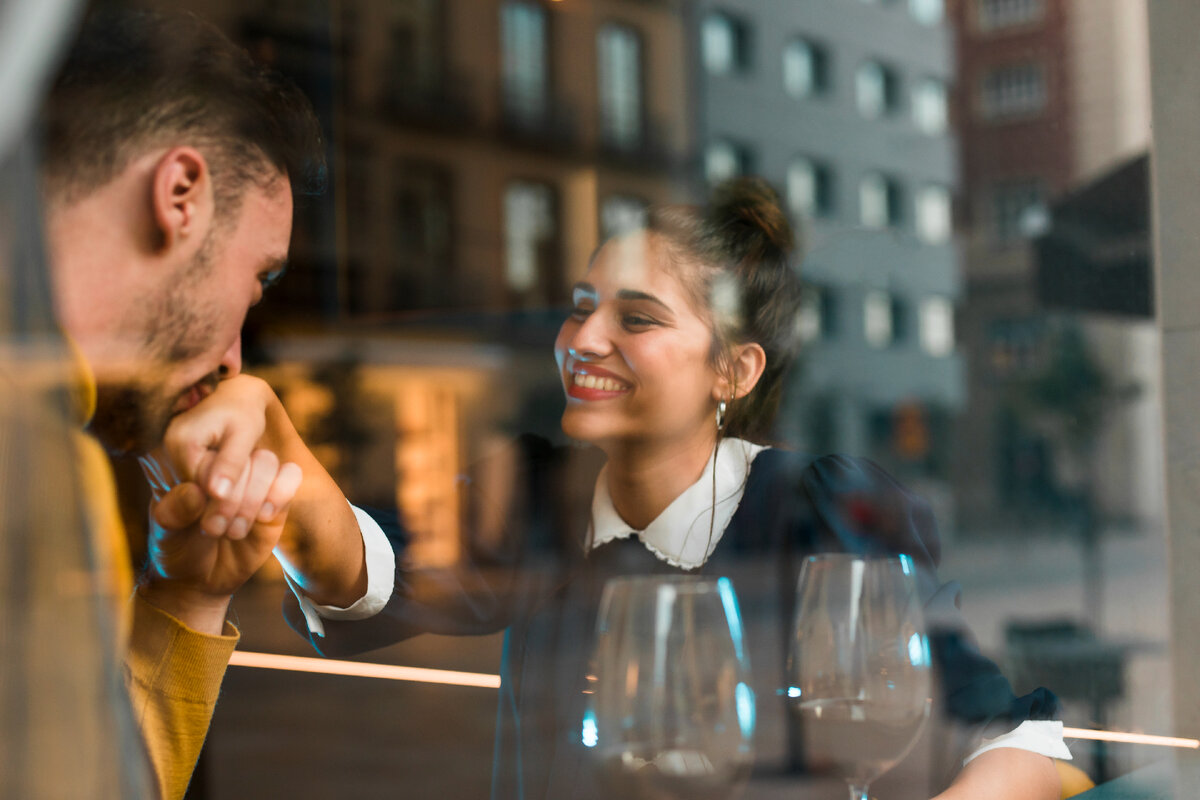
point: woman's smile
(589, 382)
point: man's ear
(743, 368)
(182, 198)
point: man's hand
(191, 572)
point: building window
(524, 53)
(620, 83)
(876, 90)
(724, 160)
(818, 318)
(877, 318)
(879, 201)
(1017, 90)
(810, 323)
(927, 12)
(422, 236)
(996, 14)
(1017, 210)
(929, 106)
(933, 220)
(805, 68)
(809, 189)
(620, 214)
(724, 44)
(530, 231)
(937, 326)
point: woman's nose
(590, 340)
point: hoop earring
(720, 415)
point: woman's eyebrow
(584, 289)
(633, 294)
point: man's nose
(231, 362)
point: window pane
(937, 326)
(802, 187)
(1013, 91)
(928, 12)
(620, 86)
(876, 90)
(873, 201)
(993, 14)
(528, 226)
(524, 59)
(929, 106)
(933, 214)
(809, 188)
(804, 68)
(877, 318)
(719, 44)
(810, 323)
(723, 160)
(869, 90)
(1017, 209)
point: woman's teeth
(594, 382)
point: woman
(672, 362)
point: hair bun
(752, 203)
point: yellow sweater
(173, 673)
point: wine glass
(670, 711)
(859, 665)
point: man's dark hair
(135, 80)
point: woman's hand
(212, 445)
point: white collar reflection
(680, 534)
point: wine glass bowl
(670, 711)
(859, 665)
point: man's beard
(129, 418)
(132, 416)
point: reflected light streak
(362, 670)
(326, 666)
(1130, 738)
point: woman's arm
(1006, 774)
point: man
(169, 164)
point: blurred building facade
(1051, 95)
(843, 106)
(480, 150)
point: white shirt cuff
(1041, 736)
(381, 579)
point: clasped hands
(220, 502)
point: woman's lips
(593, 383)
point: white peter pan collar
(680, 534)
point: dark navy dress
(544, 587)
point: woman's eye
(579, 312)
(636, 321)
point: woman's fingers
(264, 468)
(282, 491)
(262, 492)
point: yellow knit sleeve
(174, 676)
(173, 673)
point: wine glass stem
(858, 792)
